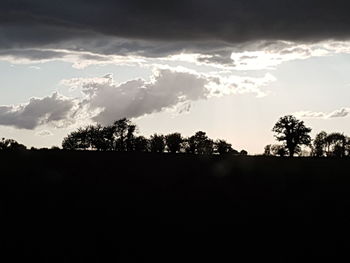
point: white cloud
(221, 86)
(44, 133)
(341, 113)
(104, 101)
(138, 97)
(168, 89)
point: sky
(229, 68)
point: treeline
(334, 144)
(121, 137)
(11, 145)
(293, 134)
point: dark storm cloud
(33, 23)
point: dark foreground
(87, 206)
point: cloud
(80, 59)
(341, 113)
(105, 101)
(91, 31)
(54, 109)
(231, 21)
(44, 133)
(138, 97)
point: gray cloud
(155, 28)
(232, 21)
(54, 109)
(340, 113)
(136, 98)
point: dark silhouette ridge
(112, 193)
(73, 206)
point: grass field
(82, 206)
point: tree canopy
(121, 136)
(11, 145)
(292, 132)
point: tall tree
(130, 138)
(120, 131)
(124, 131)
(293, 132)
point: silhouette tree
(97, 138)
(293, 132)
(141, 144)
(320, 144)
(157, 143)
(243, 152)
(121, 129)
(189, 145)
(336, 144)
(201, 143)
(73, 141)
(130, 138)
(279, 150)
(11, 145)
(108, 137)
(267, 150)
(4, 143)
(173, 142)
(119, 137)
(222, 147)
(83, 138)
(55, 148)
(208, 147)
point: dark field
(84, 206)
